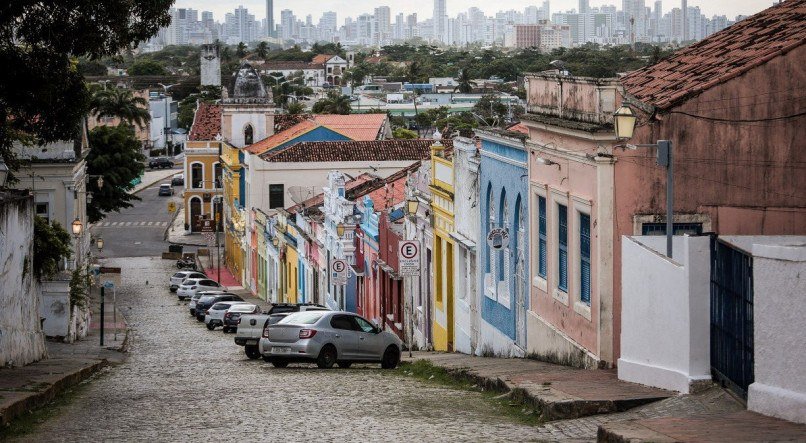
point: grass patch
(498, 401)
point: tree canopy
(120, 103)
(43, 97)
(115, 154)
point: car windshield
(303, 318)
(180, 274)
(206, 299)
(274, 318)
(220, 306)
(190, 282)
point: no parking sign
(408, 256)
(339, 270)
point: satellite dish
(299, 194)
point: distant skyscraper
(270, 18)
(684, 8)
(440, 17)
(584, 6)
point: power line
(780, 91)
(752, 120)
(754, 104)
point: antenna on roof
(299, 194)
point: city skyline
(425, 8)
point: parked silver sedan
(327, 338)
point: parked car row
(287, 332)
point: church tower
(210, 65)
(248, 111)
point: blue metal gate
(731, 317)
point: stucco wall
(466, 203)
(665, 312)
(779, 309)
(503, 175)
(21, 338)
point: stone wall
(21, 338)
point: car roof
(164, 184)
(243, 305)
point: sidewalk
(152, 177)
(30, 387)
(557, 392)
(176, 232)
(588, 405)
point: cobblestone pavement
(182, 382)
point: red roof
(365, 151)
(281, 137)
(206, 123)
(285, 121)
(519, 127)
(354, 126)
(720, 57)
(391, 193)
(322, 58)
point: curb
(170, 225)
(41, 398)
(148, 185)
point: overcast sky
(424, 8)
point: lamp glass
(99, 243)
(100, 182)
(624, 121)
(77, 227)
(411, 205)
(340, 230)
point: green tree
(465, 86)
(262, 50)
(404, 133)
(88, 67)
(120, 103)
(43, 97)
(51, 246)
(334, 103)
(146, 67)
(295, 108)
(241, 50)
(115, 154)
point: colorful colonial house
(202, 169)
(504, 253)
(442, 192)
(467, 305)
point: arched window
(248, 135)
(217, 175)
(197, 175)
(490, 221)
(503, 256)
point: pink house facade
(725, 103)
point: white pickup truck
(250, 327)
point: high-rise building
(270, 18)
(440, 19)
(584, 6)
(383, 24)
(287, 22)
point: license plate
(280, 350)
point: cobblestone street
(182, 382)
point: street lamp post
(624, 120)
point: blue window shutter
(585, 258)
(562, 216)
(541, 268)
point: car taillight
(227, 315)
(206, 311)
(192, 287)
(307, 333)
(266, 332)
(239, 321)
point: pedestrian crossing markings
(137, 224)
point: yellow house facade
(233, 185)
(442, 191)
(203, 186)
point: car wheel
(225, 330)
(391, 357)
(199, 319)
(252, 352)
(279, 364)
(210, 326)
(345, 364)
(172, 289)
(327, 357)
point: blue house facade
(503, 267)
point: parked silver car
(180, 276)
(327, 338)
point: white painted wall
(665, 336)
(466, 223)
(21, 338)
(779, 312)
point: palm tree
(295, 108)
(464, 86)
(241, 51)
(262, 50)
(226, 53)
(333, 104)
(120, 103)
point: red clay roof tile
(720, 57)
(206, 123)
(367, 151)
